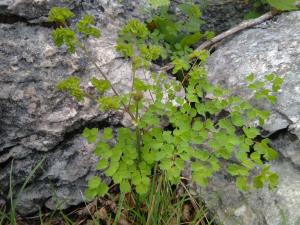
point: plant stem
(138, 132)
(133, 78)
(106, 78)
(144, 72)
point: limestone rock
(37, 121)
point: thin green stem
(138, 132)
(106, 78)
(151, 95)
(132, 86)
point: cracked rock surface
(271, 47)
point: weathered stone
(31, 9)
(219, 14)
(261, 207)
(37, 121)
(288, 145)
(270, 47)
(261, 52)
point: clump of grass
(10, 217)
(164, 205)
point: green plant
(158, 3)
(165, 206)
(259, 6)
(176, 37)
(283, 4)
(209, 127)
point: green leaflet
(191, 39)
(158, 3)
(237, 119)
(102, 164)
(96, 188)
(90, 134)
(250, 132)
(180, 65)
(125, 49)
(283, 4)
(100, 85)
(242, 183)
(107, 133)
(266, 176)
(190, 9)
(60, 15)
(259, 6)
(140, 85)
(236, 170)
(135, 28)
(103, 150)
(125, 186)
(109, 103)
(72, 86)
(84, 26)
(65, 36)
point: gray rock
(288, 145)
(31, 9)
(258, 207)
(34, 9)
(37, 121)
(220, 15)
(270, 47)
(261, 52)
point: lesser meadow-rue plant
(209, 128)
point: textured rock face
(271, 47)
(219, 14)
(37, 121)
(223, 14)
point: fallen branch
(242, 26)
